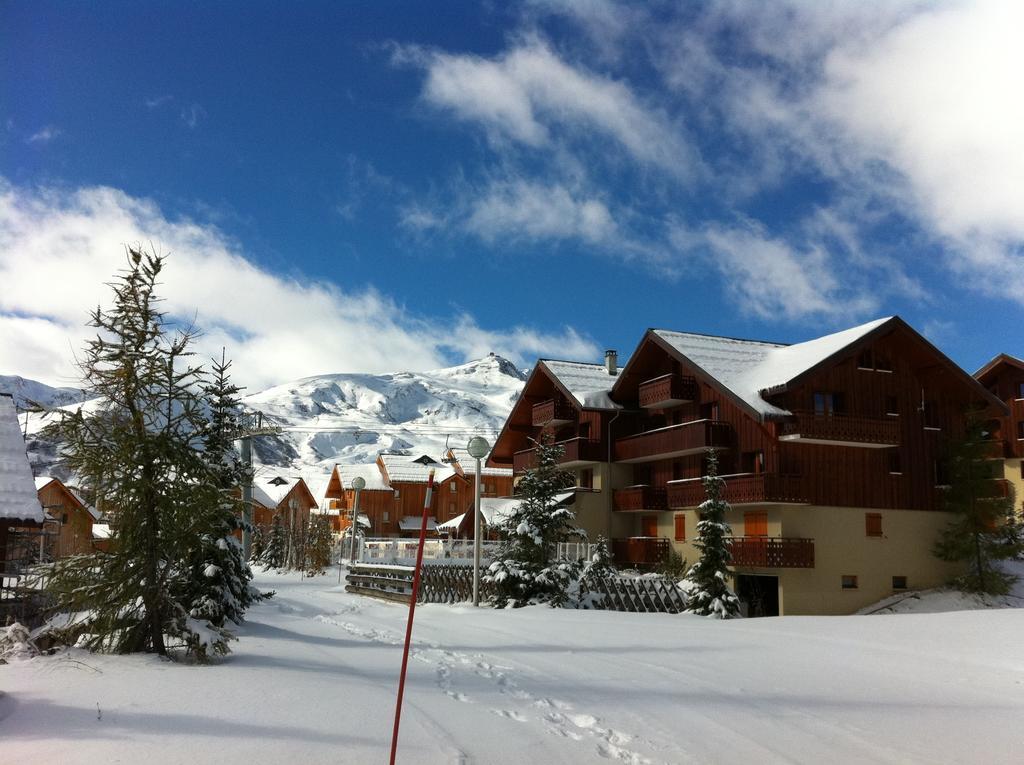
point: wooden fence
(445, 583)
(21, 600)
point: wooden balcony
(772, 552)
(667, 391)
(841, 430)
(674, 441)
(552, 412)
(576, 453)
(744, 489)
(634, 498)
(642, 552)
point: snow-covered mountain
(25, 390)
(349, 418)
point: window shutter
(680, 528)
(755, 524)
(873, 524)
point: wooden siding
(75, 535)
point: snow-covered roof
(274, 488)
(469, 465)
(589, 384)
(413, 522)
(750, 367)
(403, 468)
(451, 525)
(43, 481)
(100, 531)
(19, 499)
(369, 473)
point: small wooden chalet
(21, 514)
(285, 497)
(73, 518)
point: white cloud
(45, 135)
(192, 115)
(58, 247)
(530, 93)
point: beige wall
(842, 547)
(1011, 472)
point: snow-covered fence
(576, 551)
(636, 594)
(401, 551)
(22, 599)
(439, 582)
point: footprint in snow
(511, 714)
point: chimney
(611, 362)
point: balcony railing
(674, 441)
(575, 451)
(635, 498)
(552, 412)
(744, 489)
(772, 552)
(847, 429)
(668, 390)
(644, 552)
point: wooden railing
(748, 488)
(668, 390)
(636, 498)
(845, 428)
(574, 450)
(640, 551)
(687, 437)
(772, 552)
(552, 410)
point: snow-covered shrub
(15, 643)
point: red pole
(412, 612)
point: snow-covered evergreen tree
(221, 580)
(141, 453)
(706, 583)
(258, 544)
(525, 570)
(275, 545)
(318, 545)
(985, 529)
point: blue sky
(376, 186)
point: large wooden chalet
(831, 451)
(1003, 376)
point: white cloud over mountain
(58, 247)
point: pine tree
(221, 590)
(706, 584)
(319, 544)
(258, 544)
(275, 548)
(141, 451)
(525, 570)
(985, 529)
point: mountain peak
(492, 363)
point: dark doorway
(760, 594)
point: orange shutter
(680, 528)
(649, 526)
(755, 524)
(873, 524)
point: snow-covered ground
(313, 680)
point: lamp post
(292, 506)
(358, 484)
(477, 448)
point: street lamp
(358, 484)
(477, 448)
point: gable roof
(270, 490)
(588, 384)
(402, 468)
(370, 473)
(749, 368)
(993, 364)
(18, 497)
(468, 464)
(42, 481)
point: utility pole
(250, 424)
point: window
(386, 516)
(827, 403)
(1020, 389)
(680, 528)
(755, 524)
(452, 488)
(398, 494)
(586, 479)
(895, 462)
(882, 363)
(63, 518)
(873, 524)
(752, 462)
(941, 473)
(930, 413)
(899, 583)
(451, 509)
(1020, 431)
(849, 582)
(892, 406)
